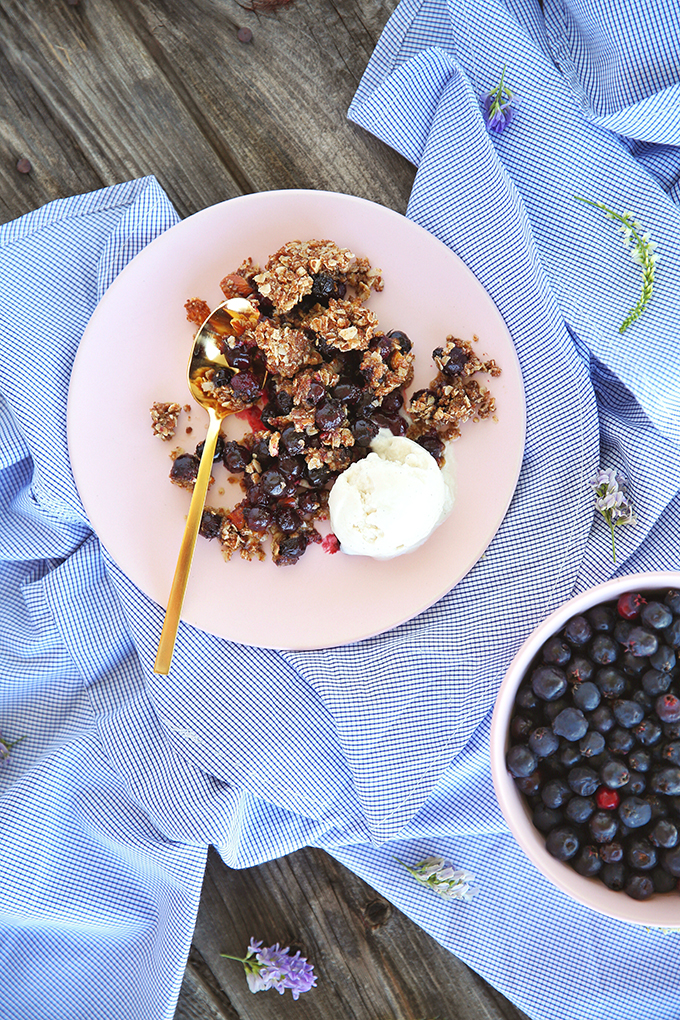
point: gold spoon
(206, 353)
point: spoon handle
(166, 644)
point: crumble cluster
(318, 379)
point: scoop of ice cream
(390, 502)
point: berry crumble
(316, 378)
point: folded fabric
(379, 749)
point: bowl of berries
(585, 748)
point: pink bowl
(661, 911)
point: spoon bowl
(228, 319)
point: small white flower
(443, 878)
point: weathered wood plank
(107, 90)
(371, 962)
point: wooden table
(217, 100)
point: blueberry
(521, 761)
(583, 781)
(586, 696)
(578, 631)
(570, 724)
(548, 683)
(562, 843)
(656, 615)
(634, 812)
(543, 742)
(614, 774)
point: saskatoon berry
(614, 774)
(656, 615)
(634, 812)
(663, 659)
(521, 761)
(641, 642)
(583, 780)
(556, 651)
(641, 854)
(667, 707)
(664, 834)
(587, 862)
(627, 713)
(639, 887)
(667, 781)
(579, 809)
(614, 876)
(579, 670)
(591, 744)
(603, 826)
(663, 881)
(655, 681)
(602, 719)
(636, 784)
(604, 650)
(586, 696)
(548, 683)
(562, 843)
(629, 605)
(555, 793)
(543, 742)
(570, 724)
(545, 818)
(611, 682)
(601, 618)
(611, 853)
(578, 631)
(672, 600)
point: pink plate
(140, 339)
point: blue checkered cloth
(380, 749)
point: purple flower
(5, 748)
(274, 967)
(498, 108)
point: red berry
(630, 604)
(607, 800)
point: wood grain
(108, 90)
(371, 962)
